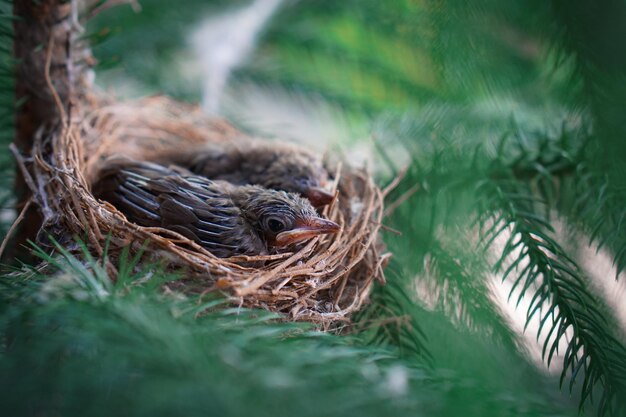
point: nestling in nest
(224, 218)
(318, 264)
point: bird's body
(226, 219)
(272, 165)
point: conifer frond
(435, 248)
(391, 320)
(135, 350)
(597, 207)
(541, 269)
(589, 36)
(460, 282)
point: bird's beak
(306, 229)
(319, 197)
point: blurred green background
(508, 118)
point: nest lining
(324, 281)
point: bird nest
(324, 281)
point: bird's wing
(123, 183)
(151, 195)
(197, 211)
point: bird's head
(291, 169)
(283, 219)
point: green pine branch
(597, 208)
(541, 269)
(96, 347)
(464, 295)
(391, 320)
(588, 35)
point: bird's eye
(275, 225)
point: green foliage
(147, 45)
(538, 264)
(588, 35)
(93, 347)
(392, 321)
(591, 36)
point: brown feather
(227, 220)
(273, 165)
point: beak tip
(334, 228)
(324, 226)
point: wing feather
(197, 208)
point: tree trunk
(42, 48)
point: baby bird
(278, 166)
(225, 219)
